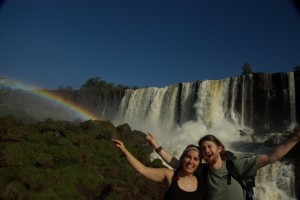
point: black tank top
(176, 193)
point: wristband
(158, 149)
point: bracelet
(158, 149)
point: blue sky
(51, 43)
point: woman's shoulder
(169, 175)
(169, 172)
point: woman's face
(190, 161)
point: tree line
(96, 83)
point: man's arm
(279, 151)
(166, 156)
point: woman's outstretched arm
(153, 174)
(166, 156)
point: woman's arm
(166, 156)
(153, 174)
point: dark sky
(51, 43)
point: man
(217, 174)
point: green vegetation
(97, 84)
(65, 160)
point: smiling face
(211, 152)
(191, 161)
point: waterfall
(187, 100)
(233, 116)
(247, 103)
(210, 102)
(267, 89)
(275, 181)
(181, 114)
(291, 92)
(185, 111)
(149, 109)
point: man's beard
(212, 161)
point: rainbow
(51, 96)
(83, 114)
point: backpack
(247, 183)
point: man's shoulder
(249, 159)
(246, 165)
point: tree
(95, 82)
(297, 68)
(247, 69)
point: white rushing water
(207, 107)
(275, 181)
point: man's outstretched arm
(279, 151)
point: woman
(182, 183)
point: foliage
(64, 160)
(297, 68)
(247, 69)
(97, 83)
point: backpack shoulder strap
(232, 171)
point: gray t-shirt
(219, 189)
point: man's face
(210, 152)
